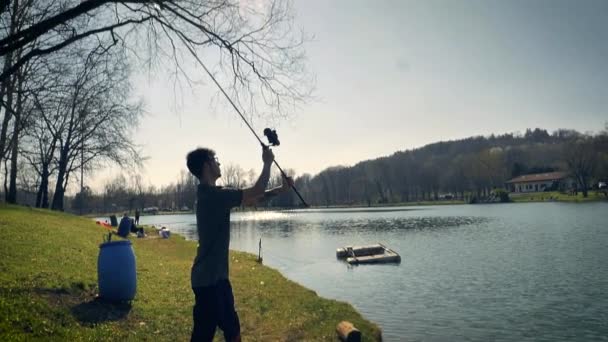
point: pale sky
(396, 75)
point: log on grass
(347, 332)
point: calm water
(505, 272)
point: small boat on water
(371, 254)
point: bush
(503, 195)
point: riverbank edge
(48, 283)
(533, 197)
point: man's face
(213, 167)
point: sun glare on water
(259, 216)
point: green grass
(48, 284)
(556, 196)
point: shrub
(503, 195)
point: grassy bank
(557, 197)
(48, 283)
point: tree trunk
(584, 186)
(5, 177)
(6, 85)
(5, 123)
(59, 194)
(39, 196)
(11, 196)
(405, 196)
(12, 191)
(59, 188)
(42, 197)
(380, 191)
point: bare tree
(97, 117)
(251, 177)
(256, 46)
(233, 175)
(10, 23)
(40, 146)
(27, 83)
(139, 189)
(252, 47)
(186, 189)
(581, 158)
(115, 193)
(11, 195)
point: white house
(540, 182)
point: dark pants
(214, 307)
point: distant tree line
(459, 169)
(127, 193)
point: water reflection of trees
(290, 228)
(341, 227)
(280, 228)
(252, 230)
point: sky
(397, 75)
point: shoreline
(532, 197)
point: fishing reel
(271, 135)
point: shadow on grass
(84, 305)
(79, 298)
(98, 311)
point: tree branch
(38, 52)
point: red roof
(539, 177)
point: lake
(500, 272)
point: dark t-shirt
(213, 226)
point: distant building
(151, 210)
(554, 181)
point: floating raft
(371, 254)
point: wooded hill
(462, 168)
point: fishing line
(243, 117)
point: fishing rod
(270, 134)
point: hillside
(461, 168)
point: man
(214, 301)
(136, 216)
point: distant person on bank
(214, 301)
(136, 216)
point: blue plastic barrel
(116, 273)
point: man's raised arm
(256, 192)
